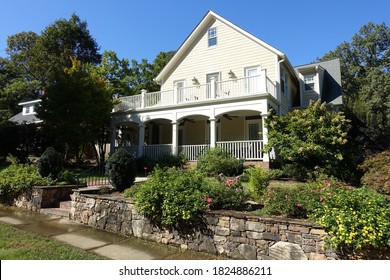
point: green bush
(18, 178)
(227, 194)
(121, 169)
(217, 160)
(355, 218)
(258, 181)
(172, 197)
(377, 172)
(293, 201)
(296, 171)
(50, 163)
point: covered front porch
(241, 133)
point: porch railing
(193, 152)
(215, 90)
(248, 150)
(157, 151)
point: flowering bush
(354, 217)
(172, 197)
(178, 198)
(217, 160)
(377, 172)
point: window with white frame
(212, 36)
(309, 82)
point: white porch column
(141, 139)
(143, 93)
(265, 136)
(213, 88)
(213, 133)
(113, 139)
(175, 138)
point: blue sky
(303, 30)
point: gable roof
(210, 15)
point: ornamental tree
(309, 138)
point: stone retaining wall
(233, 234)
(44, 197)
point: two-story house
(216, 92)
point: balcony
(230, 89)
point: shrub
(227, 194)
(258, 181)
(296, 171)
(50, 163)
(172, 197)
(313, 137)
(18, 178)
(293, 201)
(121, 169)
(377, 172)
(217, 160)
(354, 217)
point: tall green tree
(76, 108)
(365, 69)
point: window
(27, 110)
(212, 36)
(309, 82)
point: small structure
(28, 114)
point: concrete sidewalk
(107, 244)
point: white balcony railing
(215, 90)
(157, 151)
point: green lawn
(16, 244)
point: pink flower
(322, 199)
(229, 182)
(286, 196)
(298, 205)
(330, 194)
(327, 183)
(209, 200)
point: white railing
(194, 93)
(248, 150)
(193, 152)
(215, 90)
(129, 103)
(157, 151)
(158, 98)
(271, 89)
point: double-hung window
(212, 36)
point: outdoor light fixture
(195, 81)
(232, 75)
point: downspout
(280, 91)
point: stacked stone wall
(232, 234)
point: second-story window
(309, 82)
(284, 82)
(212, 36)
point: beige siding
(195, 133)
(233, 51)
(232, 130)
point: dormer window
(27, 110)
(212, 36)
(309, 82)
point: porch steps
(62, 211)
